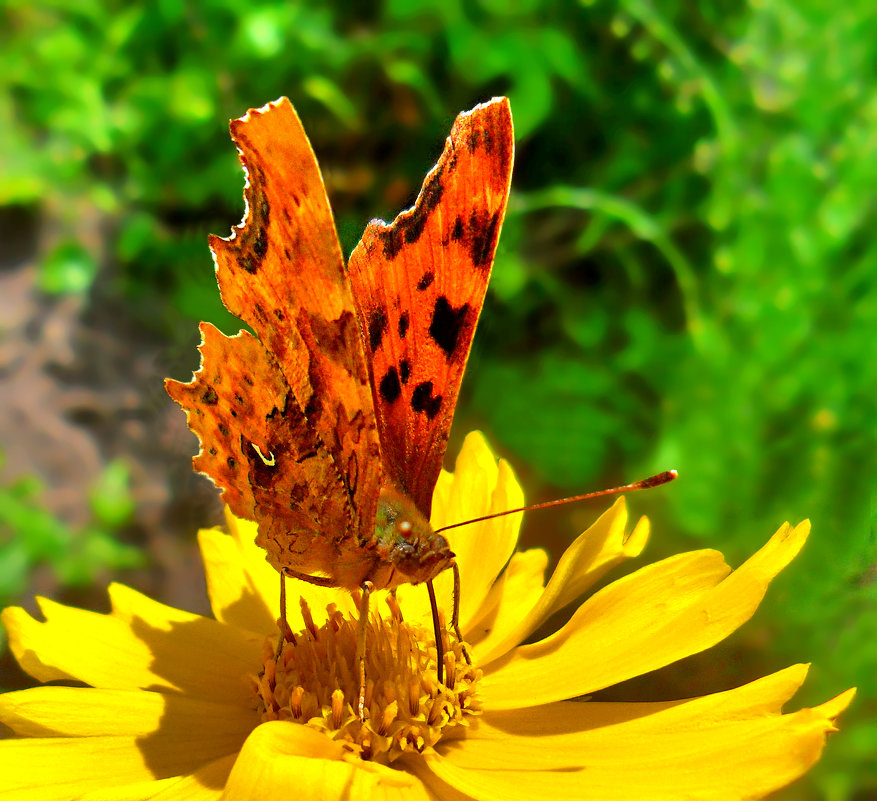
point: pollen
(315, 682)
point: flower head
(185, 707)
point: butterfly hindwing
(257, 445)
(282, 272)
(419, 284)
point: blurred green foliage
(686, 274)
(32, 537)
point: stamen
(308, 619)
(435, 711)
(413, 696)
(390, 712)
(337, 708)
(295, 700)
(446, 643)
(281, 695)
(389, 691)
(450, 664)
(269, 675)
(395, 609)
(315, 682)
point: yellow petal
(89, 712)
(603, 546)
(590, 556)
(252, 558)
(234, 597)
(510, 600)
(661, 613)
(40, 769)
(485, 548)
(77, 645)
(266, 581)
(143, 644)
(205, 784)
(479, 486)
(730, 745)
(437, 789)
(205, 658)
(138, 791)
(280, 757)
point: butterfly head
(406, 542)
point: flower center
(316, 682)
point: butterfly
(328, 425)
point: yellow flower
(186, 707)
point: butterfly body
(328, 427)
(405, 543)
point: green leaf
(68, 269)
(110, 498)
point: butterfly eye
(405, 528)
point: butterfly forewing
(282, 272)
(419, 285)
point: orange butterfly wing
(282, 272)
(258, 446)
(419, 285)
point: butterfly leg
(437, 629)
(367, 588)
(285, 632)
(455, 619)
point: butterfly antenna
(646, 483)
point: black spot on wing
(404, 322)
(260, 244)
(252, 241)
(447, 323)
(391, 238)
(390, 388)
(457, 231)
(377, 324)
(409, 226)
(483, 233)
(404, 370)
(430, 197)
(426, 280)
(424, 402)
(210, 398)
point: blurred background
(685, 279)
